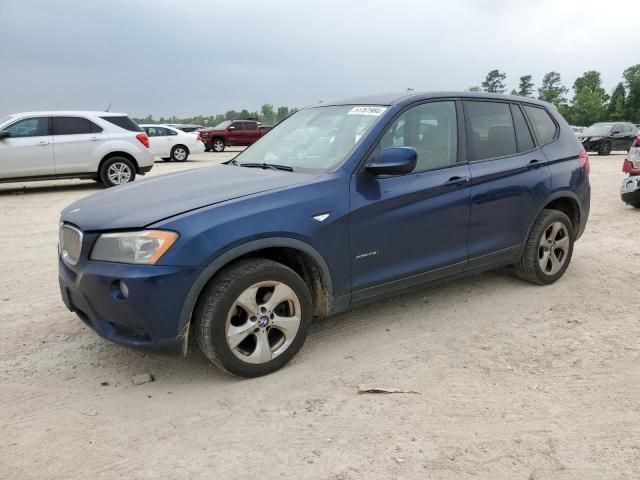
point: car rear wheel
(179, 153)
(548, 250)
(117, 171)
(253, 317)
(218, 145)
(605, 148)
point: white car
(104, 146)
(169, 143)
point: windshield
(313, 139)
(223, 125)
(598, 129)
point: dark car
(186, 127)
(408, 188)
(236, 133)
(608, 136)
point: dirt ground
(515, 381)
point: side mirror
(4, 135)
(231, 127)
(615, 132)
(393, 161)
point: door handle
(534, 164)
(94, 139)
(42, 143)
(455, 181)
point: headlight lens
(142, 247)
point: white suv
(107, 147)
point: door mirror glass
(4, 135)
(393, 161)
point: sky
(188, 57)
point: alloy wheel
(263, 322)
(553, 248)
(179, 154)
(119, 173)
(218, 145)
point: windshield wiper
(272, 166)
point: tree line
(268, 115)
(589, 102)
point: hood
(142, 203)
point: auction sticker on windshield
(373, 111)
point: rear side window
(490, 131)
(74, 125)
(523, 135)
(29, 127)
(250, 126)
(123, 122)
(543, 125)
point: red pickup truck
(232, 133)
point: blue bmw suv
(337, 205)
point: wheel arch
(296, 254)
(563, 201)
(119, 153)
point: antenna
(109, 107)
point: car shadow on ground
(89, 186)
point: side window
(73, 125)
(162, 132)
(523, 135)
(543, 125)
(490, 130)
(170, 132)
(29, 127)
(431, 129)
(237, 125)
(250, 126)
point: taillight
(199, 138)
(636, 143)
(584, 158)
(143, 139)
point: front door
(236, 134)
(411, 228)
(28, 151)
(160, 140)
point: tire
(542, 242)
(253, 282)
(166, 159)
(179, 153)
(207, 149)
(117, 171)
(217, 145)
(605, 148)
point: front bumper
(143, 170)
(148, 317)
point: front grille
(70, 244)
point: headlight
(593, 139)
(143, 247)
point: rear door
(410, 228)
(251, 132)
(509, 179)
(28, 151)
(77, 142)
(160, 140)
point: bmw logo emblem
(263, 321)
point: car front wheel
(253, 317)
(548, 250)
(117, 171)
(605, 149)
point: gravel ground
(515, 381)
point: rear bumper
(148, 317)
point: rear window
(123, 122)
(543, 125)
(74, 125)
(490, 131)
